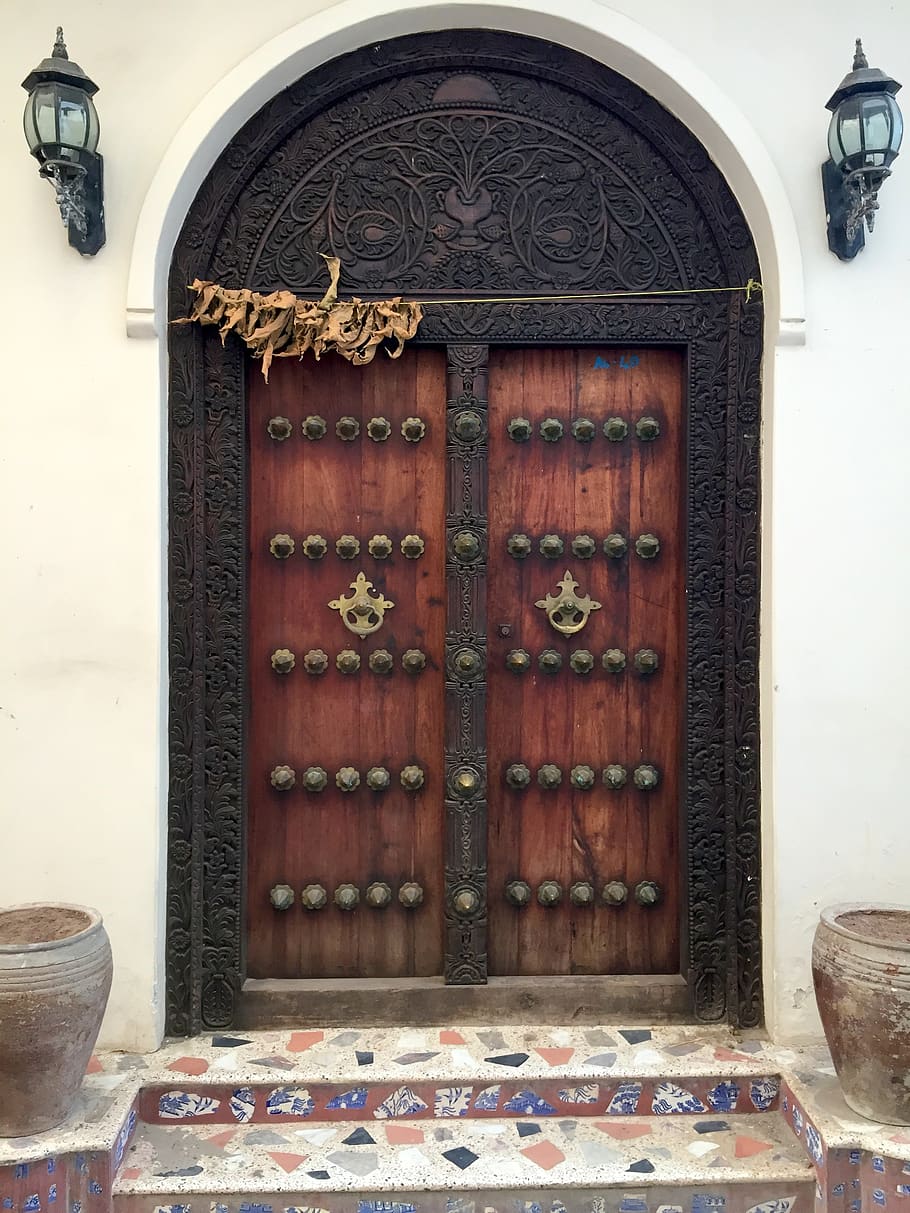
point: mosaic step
(649, 1164)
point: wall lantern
(61, 126)
(864, 137)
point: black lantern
(864, 138)
(61, 126)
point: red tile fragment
(220, 1139)
(450, 1037)
(545, 1154)
(728, 1055)
(131, 1172)
(304, 1040)
(620, 1130)
(556, 1057)
(747, 1146)
(94, 1066)
(189, 1065)
(287, 1162)
(399, 1135)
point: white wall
(81, 616)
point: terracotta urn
(861, 969)
(55, 977)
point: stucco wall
(81, 497)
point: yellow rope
(751, 287)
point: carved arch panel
(472, 164)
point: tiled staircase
(436, 1120)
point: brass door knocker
(362, 612)
(568, 610)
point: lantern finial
(59, 51)
(859, 57)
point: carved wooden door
(440, 743)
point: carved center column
(466, 656)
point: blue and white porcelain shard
(625, 1101)
(814, 1145)
(459, 1204)
(355, 1098)
(384, 1206)
(724, 1096)
(243, 1104)
(289, 1101)
(710, 1202)
(287, 1209)
(529, 1103)
(763, 1092)
(784, 1205)
(878, 1197)
(178, 1105)
(797, 1121)
(669, 1209)
(123, 1136)
(402, 1102)
(452, 1101)
(172, 1208)
(668, 1097)
(586, 1094)
(488, 1099)
(633, 1204)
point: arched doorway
(474, 164)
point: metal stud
(347, 546)
(518, 661)
(465, 902)
(615, 776)
(381, 661)
(583, 777)
(315, 547)
(551, 546)
(279, 428)
(647, 428)
(518, 892)
(614, 893)
(347, 428)
(347, 897)
(615, 429)
(551, 429)
(380, 547)
(614, 661)
(549, 893)
(313, 897)
(281, 896)
(584, 547)
(468, 425)
(549, 661)
(648, 893)
(518, 776)
(647, 546)
(347, 661)
(378, 895)
(413, 660)
(583, 430)
(582, 893)
(465, 781)
(283, 661)
(410, 895)
(582, 661)
(347, 779)
(467, 663)
(519, 429)
(616, 546)
(378, 779)
(413, 429)
(412, 778)
(282, 778)
(281, 546)
(315, 779)
(412, 546)
(466, 545)
(646, 777)
(646, 661)
(378, 429)
(518, 546)
(315, 661)
(314, 427)
(549, 776)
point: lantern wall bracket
(846, 237)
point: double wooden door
(466, 659)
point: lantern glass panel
(40, 118)
(865, 132)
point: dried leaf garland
(280, 325)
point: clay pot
(55, 977)
(861, 968)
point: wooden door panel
(571, 488)
(331, 488)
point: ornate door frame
(685, 204)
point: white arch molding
(594, 30)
